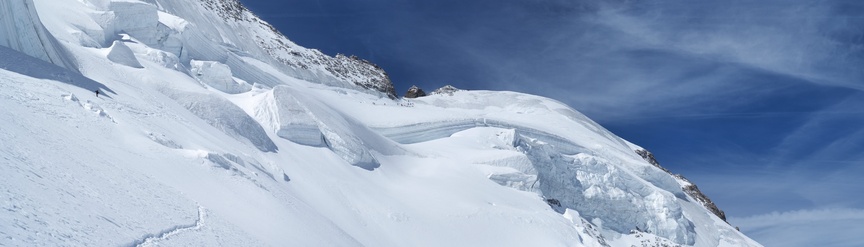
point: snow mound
(121, 54)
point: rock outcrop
(414, 92)
(300, 62)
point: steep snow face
(228, 133)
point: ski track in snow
(150, 239)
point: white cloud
(818, 227)
(656, 58)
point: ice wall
(21, 29)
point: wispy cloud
(818, 227)
(834, 133)
(616, 59)
(809, 39)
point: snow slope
(211, 128)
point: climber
(97, 93)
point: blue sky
(761, 103)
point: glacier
(212, 128)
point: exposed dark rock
(690, 189)
(693, 191)
(648, 156)
(227, 9)
(553, 202)
(414, 92)
(361, 72)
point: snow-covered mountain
(212, 128)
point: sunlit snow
(210, 128)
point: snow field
(289, 151)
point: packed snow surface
(211, 128)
